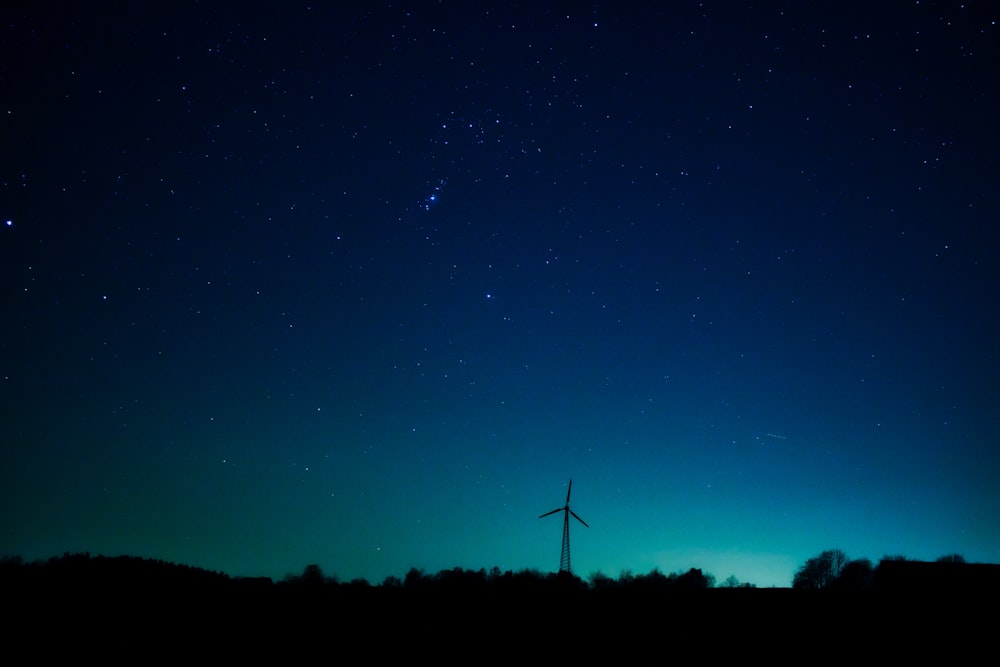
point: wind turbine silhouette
(564, 561)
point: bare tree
(820, 571)
(951, 558)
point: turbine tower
(565, 565)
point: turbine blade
(579, 519)
(560, 509)
(568, 491)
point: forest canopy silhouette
(831, 570)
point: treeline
(830, 570)
(84, 573)
(460, 579)
(833, 570)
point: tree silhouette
(693, 579)
(951, 558)
(601, 582)
(820, 571)
(313, 575)
(733, 582)
(895, 558)
(416, 579)
(857, 575)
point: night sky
(366, 286)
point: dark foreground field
(129, 610)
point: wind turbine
(564, 562)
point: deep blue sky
(364, 287)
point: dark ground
(129, 610)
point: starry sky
(365, 286)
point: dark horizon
(949, 574)
(124, 606)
